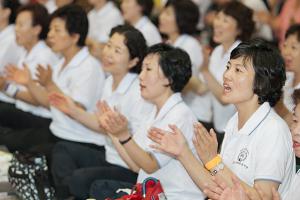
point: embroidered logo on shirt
(242, 157)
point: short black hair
(175, 64)
(187, 15)
(269, 69)
(147, 6)
(243, 16)
(40, 17)
(13, 5)
(76, 21)
(135, 42)
(294, 29)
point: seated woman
(137, 13)
(122, 58)
(257, 147)
(236, 192)
(31, 30)
(165, 72)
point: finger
(214, 188)
(106, 106)
(221, 183)
(175, 129)
(154, 137)
(211, 194)
(213, 135)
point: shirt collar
(34, 51)
(141, 23)
(234, 45)
(172, 101)
(256, 119)
(105, 9)
(78, 58)
(180, 40)
(126, 82)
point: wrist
(124, 135)
(184, 152)
(211, 163)
(123, 142)
(50, 86)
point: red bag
(150, 189)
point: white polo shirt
(261, 150)
(10, 53)
(127, 99)
(149, 31)
(82, 80)
(175, 181)
(288, 91)
(217, 66)
(293, 192)
(102, 21)
(200, 105)
(43, 55)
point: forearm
(124, 155)
(27, 97)
(87, 119)
(195, 169)
(214, 86)
(38, 93)
(143, 159)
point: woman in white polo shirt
(165, 72)
(178, 21)
(31, 30)
(290, 51)
(137, 13)
(257, 147)
(232, 24)
(122, 58)
(10, 51)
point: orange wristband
(213, 163)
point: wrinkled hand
(223, 192)
(102, 108)
(17, 75)
(171, 142)
(44, 75)
(63, 103)
(205, 143)
(116, 124)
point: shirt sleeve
(273, 152)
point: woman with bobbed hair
(257, 147)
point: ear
(75, 38)
(133, 62)
(37, 30)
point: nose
(141, 75)
(227, 74)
